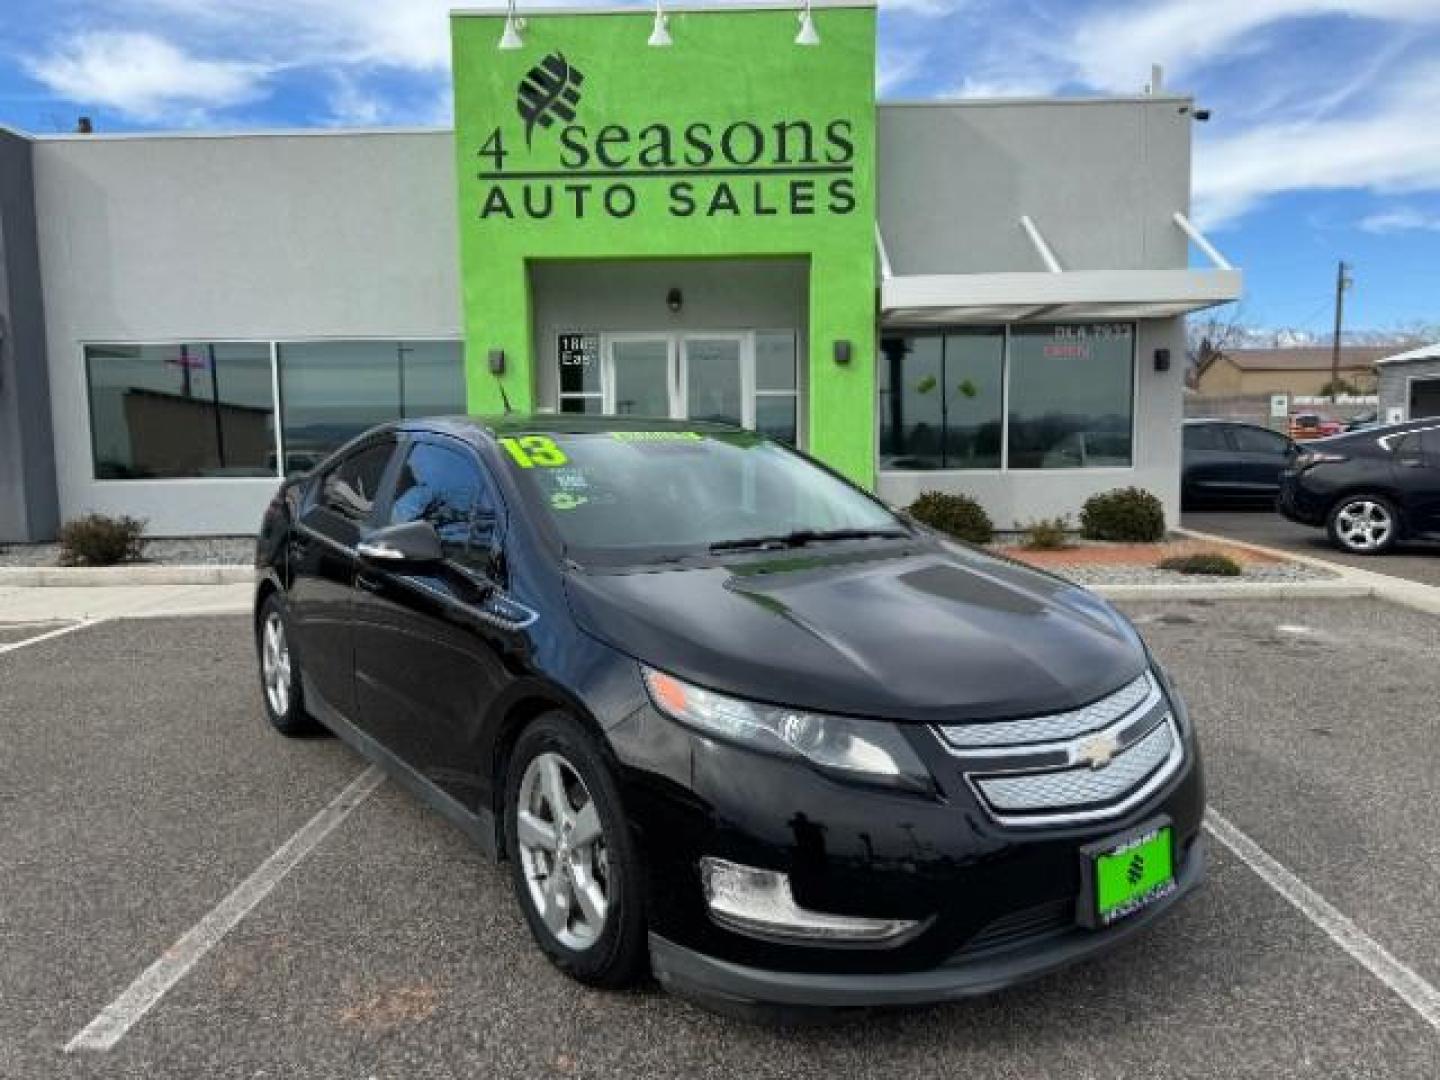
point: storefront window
(203, 409)
(941, 400)
(331, 391)
(1071, 396)
(1068, 389)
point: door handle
(381, 552)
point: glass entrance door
(744, 377)
(713, 376)
(640, 375)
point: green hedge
(1126, 515)
(959, 515)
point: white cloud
(930, 8)
(894, 68)
(1112, 50)
(1392, 147)
(1001, 86)
(145, 77)
(1401, 219)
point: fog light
(759, 902)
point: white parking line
(1410, 987)
(117, 1018)
(47, 636)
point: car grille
(1036, 729)
(1084, 765)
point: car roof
(491, 427)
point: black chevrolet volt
(727, 717)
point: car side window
(449, 490)
(1204, 437)
(351, 487)
(1252, 440)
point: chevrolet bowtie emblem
(1096, 751)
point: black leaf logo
(1136, 870)
(550, 89)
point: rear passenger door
(429, 660)
(339, 507)
(1260, 456)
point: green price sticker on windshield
(532, 450)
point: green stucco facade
(732, 142)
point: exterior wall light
(497, 361)
(808, 35)
(510, 37)
(660, 35)
(842, 351)
(675, 300)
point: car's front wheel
(279, 673)
(1364, 524)
(573, 862)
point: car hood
(928, 632)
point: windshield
(635, 496)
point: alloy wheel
(563, 852)
(1364, 525)
(275, 664)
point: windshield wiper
(802, 537)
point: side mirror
(395, 545)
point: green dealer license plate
(1131, 872)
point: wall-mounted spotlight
(510, 37)
(675, 300)
(808, 35)
(842, 351)
(660, 35)
(497, 361)
(1162, 359)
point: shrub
(97, 540)
(959, 515)
(1205, 562)
(1127, 515)
(1047, 534)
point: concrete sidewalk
(88, 602)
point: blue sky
(1324, 141)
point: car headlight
(870, 751)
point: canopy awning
(1055, 294)
(1046, 297)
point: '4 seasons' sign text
(700, 169)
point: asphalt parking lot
(139, 786)
(1415, 562)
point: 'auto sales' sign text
(699, 169)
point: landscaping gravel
(1150, 575)
(181, 551)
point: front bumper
(691, 973)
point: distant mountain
(1226, 335)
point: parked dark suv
(726, 715)
(1369, 489)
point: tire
(1363, 524)
(574, 872)
(280, 673)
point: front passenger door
(1417, 479)
(428, 664)
(339, 506)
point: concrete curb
(72, 576)
(1240, 590)
(1412, 594)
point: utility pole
(1342, 282)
